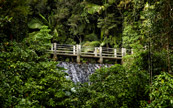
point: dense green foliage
(113, 88)
(29, 78)
(161, 91)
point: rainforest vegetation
(29, 77)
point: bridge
(79, 51)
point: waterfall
(80, 72)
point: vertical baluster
(78, 53)
(95, 52)
(79, 49)
(101, 58)
(54, 55)
(115, 52)
(123, 50)
(74, 50)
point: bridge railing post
(123, 50)
(54, 53)
(95, 51)
(100, 53)
(115, 52)
(78, 53)
(74, 49)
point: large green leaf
(35, 24)
(111, 1)
(55, 32)
(93, 8)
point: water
(80, 72)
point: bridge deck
(89, 52)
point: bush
(112, 87)
(28, 78)
(162, 91)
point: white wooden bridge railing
(88, 51)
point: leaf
(44, 19)
(55, 33)
(162, 81)
(102, 33)
(111, 1)
(35, 24)
(93, 8)
(102, 44)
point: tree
(13, 14)
(113, 87)
(28, 77)
(161, 91)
